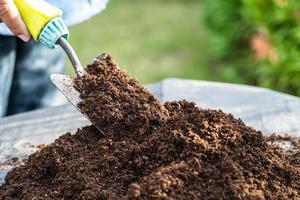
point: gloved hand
(9, 14)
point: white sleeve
(79, 10)
(4, 30)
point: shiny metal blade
(66, 85)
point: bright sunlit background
(240, 41)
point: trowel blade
(66, 85)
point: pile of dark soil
(153, 151)
(116, 102)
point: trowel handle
(43, 21)
(45, 25)
(36, 14)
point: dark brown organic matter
(153, 151)
(116, 102)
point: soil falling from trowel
(154, 151)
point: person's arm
(9, 14)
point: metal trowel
(46, 26)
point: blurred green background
(151, 39)
(253, 42)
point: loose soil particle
(153, 151)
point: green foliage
(234, 24)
